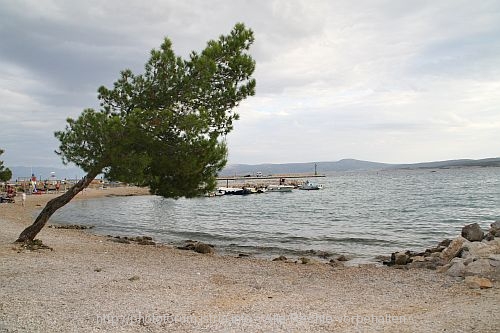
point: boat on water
(234, 191)
(310, 186)
(280, 188)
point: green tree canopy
(5, 173)
(164, 128)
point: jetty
(279, 176)
(268, 178)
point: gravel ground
(90, 284)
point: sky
(386, 81)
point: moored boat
(310, 186)
(280, 188)
(233, 191)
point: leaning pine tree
(163, 129)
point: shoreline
(90, 284)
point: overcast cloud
(387, 81)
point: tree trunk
(53, 205)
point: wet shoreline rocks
(140, 240)
(473, 256)
(71, 226)
(198, 247)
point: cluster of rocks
(336, 262)
(71, 226)
(198, 247)
(474, 256)
(140, 240)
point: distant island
(269, 169)
(350, 165)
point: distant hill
(347, 165)
(321, 167)
(268, 169)
(487, 162)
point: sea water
(362, 214)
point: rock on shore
(474, 256)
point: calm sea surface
(363, 214)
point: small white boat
(280, 188)
(310, 186)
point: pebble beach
(87, 283)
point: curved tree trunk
(53, 205)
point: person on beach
(23, 198)
(11, 193)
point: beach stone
(493, 232)
(400, 258)
(468, 260)
(335, 263)
(342, 258)
(482, 249)
(188, 246)
(436, 249)
(453, 249)
(494, 259)
(304, 260)
(495, 225)
(203, 248)
(489, 237)
(475, 282)
(424, 264)
(456, 259)
(323, 254)
(443, 269)
(280, 258)
(445, 243)
(457, 269)
(464, 253)
(480, 267)
(146, 242)
(434, 262)
(472, 232)
(418, 259)
(120, 240)
(71, 226)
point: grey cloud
(347, 72)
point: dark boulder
(472, 232)
(203, 248)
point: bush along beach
(474, 256)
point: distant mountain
(487, 162)
(268, 169)
(321, 167)
(347, 165)
(45, 172)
